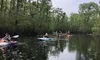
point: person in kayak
(46, 35)
(6, 37)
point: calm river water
(77, 47)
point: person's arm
(9, 37)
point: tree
(75, 22)
(88, 13)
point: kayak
(8, 43)
(45, 38)
(4, 43)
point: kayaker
(46, 35)
(68, 32)
(6, 37)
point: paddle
(15, 36)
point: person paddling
(6, 37)
(46, 35)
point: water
(77, 47)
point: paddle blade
(16, 36)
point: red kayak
(5, 43)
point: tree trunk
(2, 5)
(17, 14)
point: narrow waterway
(77, 47)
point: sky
(70, 6)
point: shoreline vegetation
(31, 18)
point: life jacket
(2, 40)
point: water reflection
(78, 47)
(9, 53)
(87, 47)
(97, 50)
(39, 50)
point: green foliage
(88, 12)
(96, 27)
(75, 22)
(26, 16)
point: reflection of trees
(31, 51)
(97, 54)
(1, 58)
(9, 53)
(34, 51)
(84, 45)
(38, 50)
(87, 48)
(57, 47)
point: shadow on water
(85, 48)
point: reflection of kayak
(8, 43)
(45, 38)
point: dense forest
(31, 17)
